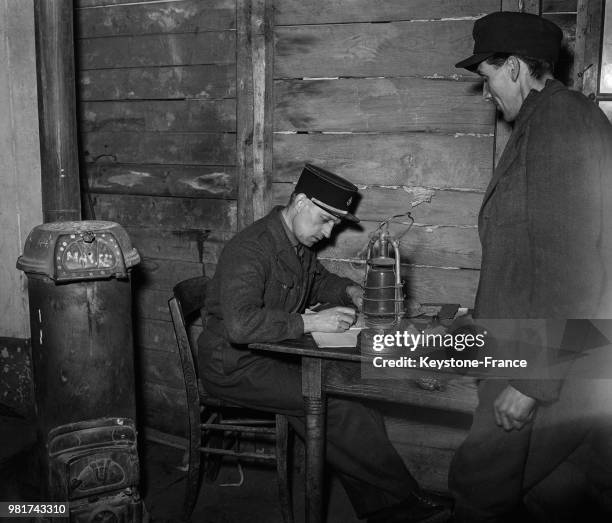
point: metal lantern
(383, 300)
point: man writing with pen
(266, 277)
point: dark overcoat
(546, 218)
(545, 223)
(545, 227)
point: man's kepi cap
(328, 190)
(513, 33)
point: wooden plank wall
(369, 90)
(563, 13)
(157, 99)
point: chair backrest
(187, 300)
(191, 294)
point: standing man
(545, 227)
(266, 276)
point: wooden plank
(188, 16)
(455, 208)
(151, 304)
(525, 6)
(159, 83)
(164, 408)
(564, 68)
(159, 115)
(160, 367)
(399, 104)
(189, 181)
(293, 12)
(587, 46)
(153, 273)
(438, 246)
(421, 159)
(168, 244)
(567, 23)
(166, 212)
(163, 148)
(458, 394)
(427, 49)
(154, 334)
(159, 335)
(426, 284)
(80, 4)
(268, 122)
(244, 108)
(212, 247)
(157, 50)
(559, 6)
(263, 101)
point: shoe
(419, 507)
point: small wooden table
(338, 371)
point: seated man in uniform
(267, 275)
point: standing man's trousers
(567, 448)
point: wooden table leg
(314, 406)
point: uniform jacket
(545, 223)
(259, 291)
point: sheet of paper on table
(337, 339)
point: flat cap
(513, 33)
(328, 190)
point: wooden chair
(212, 430)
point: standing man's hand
(513, 409)
(355, 293)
